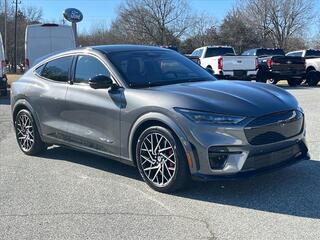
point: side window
(195, 53)
(200, 52)
(245, 53)
(58, 69)
(88, 67)
(39, 69)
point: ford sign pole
(74, 16)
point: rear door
(51, 105)
(93, 115)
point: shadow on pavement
(292, 191)
(91, 160)
(305, 87)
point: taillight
(257, 64)
(269, 63)
(26, 62)
(3, 64)
(220, 63)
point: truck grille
(274, 128)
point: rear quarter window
(58, 69)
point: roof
(125, 47)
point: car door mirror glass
(100, 82)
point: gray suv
(155, 109)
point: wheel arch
(158, 119)
(310, 68)
(24, 104)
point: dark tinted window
(197, 53)
(88, 67)
(39, 69)
(58, 69)
(270, 52)
(219, 51)
(312, 53)
(152, 68)
(295, 54)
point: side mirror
(209, 70)
(100, 82)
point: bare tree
(280, 20)
(236, 32)
(152, 21)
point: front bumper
(244, 158)
(253, 172)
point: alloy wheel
(25, 132)
(158, 160)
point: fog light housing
(218, 157)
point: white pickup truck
(312, 57)
(224, 63)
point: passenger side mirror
(100, 82)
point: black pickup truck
(274, 66)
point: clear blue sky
(102, 12)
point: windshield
(219, 51)
(270, 52)
(156, 67)
(313, 53)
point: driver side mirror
(100, 82)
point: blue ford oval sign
(73, 15)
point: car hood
(231, 97)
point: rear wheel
(272, 81)
(27, 133)
(313, 78)
(161, 160)
(261, 76)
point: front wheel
(27, 133)
(161, 160)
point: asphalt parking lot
(65, 194)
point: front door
(93, 114)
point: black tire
(261, 76)
(37, 145)
(272, 81)
(293, 82)
(313, 78)
(181, 175)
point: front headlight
(212, 118)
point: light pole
(74, 16)
(15, 36)
(5, 30)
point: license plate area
(240, 73)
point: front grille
(274, 128)
(258, 161)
